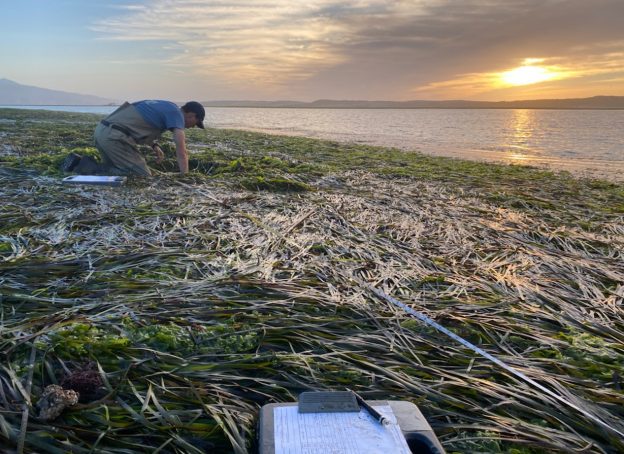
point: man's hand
(160, 156)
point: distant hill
(12, 93)
(596, 102)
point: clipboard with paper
(325, 422)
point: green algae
(274, 184)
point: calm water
(589, 142)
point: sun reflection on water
(521, 129)
(518, 158)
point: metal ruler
(423, 318)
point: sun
(526, 75)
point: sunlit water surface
(586, 142)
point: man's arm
(180, 143)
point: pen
(369, 408)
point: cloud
(372, 48)
(258, 42)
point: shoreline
(583, 168)
(511, 146)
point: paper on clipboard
(336, 433)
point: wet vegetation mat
(159, 316)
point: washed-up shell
(54, 400)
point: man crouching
(141, 123)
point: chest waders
(117, 137)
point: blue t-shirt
(161, 114)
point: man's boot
(88, 166)
(70, 162)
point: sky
(316, 49)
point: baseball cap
(198, 110)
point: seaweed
(180, 304)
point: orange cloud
(542, 74)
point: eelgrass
(199, 300)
